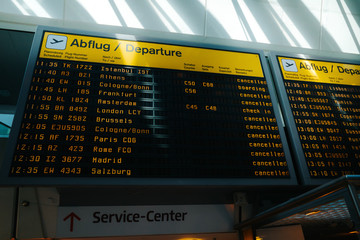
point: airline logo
(56, 42)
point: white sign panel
(143, 220)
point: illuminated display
(104, 107)
(324, 110)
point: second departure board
(321, 100)
(100, 109)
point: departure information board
(321, 100)
(117, 111)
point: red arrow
(72, 215)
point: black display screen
(324, 108)
(103, 107)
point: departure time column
(46, 127)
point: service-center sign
(143, 220)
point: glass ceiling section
(127, 14)
(101, 12)
(31, 7)
(170, 16)
(122, 13)
(349, 20)
(289, 28)
(318, 24)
